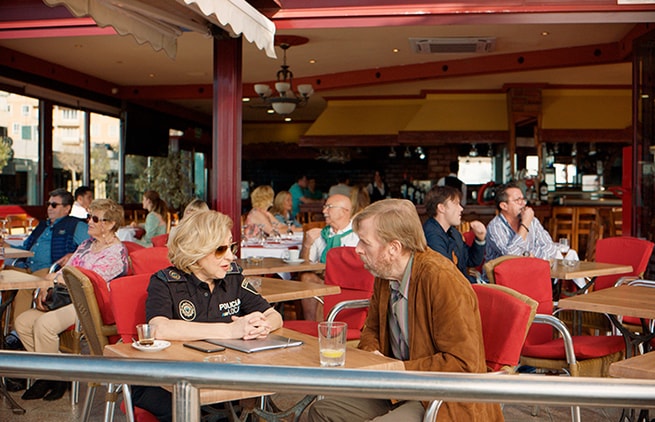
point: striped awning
(161, 22)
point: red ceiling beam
(514, 62)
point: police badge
(187, 310)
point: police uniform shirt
(177, 295)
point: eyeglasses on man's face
(330, 206)
(220, 251)
(54, 204)
(520, 200)
(95, 218)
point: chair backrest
(160, 240)
(622, 250)
(488, 267)
(506, 316)
(344, 268)
(150, 260)
(90, 297)
(128, 302)
(531, 277)
(132, 246)
(562, 223)
(616, 222)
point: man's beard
(380, 268)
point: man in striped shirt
(515, 230)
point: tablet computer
(273, 341)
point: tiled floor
(62, 411)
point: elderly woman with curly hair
(259, 216)
(202, 296)
(103, 253)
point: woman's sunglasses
(95, 218)
(220, 251)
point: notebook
(273, 341)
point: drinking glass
(332, 343)
(146, 334)
(564, 245)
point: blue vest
(63, 236)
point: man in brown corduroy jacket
(423, 311)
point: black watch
(526, 253)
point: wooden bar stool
(587, 222)
(616, 222)
(563, 224)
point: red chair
(506, 316)
(128, 302)
(580, 355)
(132, 246)
(160, 240)
(149, 260)
(343, 268)
(622, 250)
(90, 297)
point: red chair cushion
(140, 415)
(585, 347)
(161, 240)
(505, 320)
(530, 276)
(622, 250)
(102, 295)
(128, 302)
(132, 246)
(150, 260)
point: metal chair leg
(88, 402)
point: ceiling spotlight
(419, 152)
(408, 153)
(392, 153)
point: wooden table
(301, 356)
(640, 367)
(582, 269)
(276, 265)
(17, 280)
(277, 290)
(14, 253)
(634, 301)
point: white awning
(160, 22)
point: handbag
(57, 297)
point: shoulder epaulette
(170, 275)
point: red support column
(225, 179)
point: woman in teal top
(156, 218)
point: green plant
(170, 177)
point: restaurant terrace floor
(62, 411)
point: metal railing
(187, 377)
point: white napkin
(572, 255)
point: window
(565, 173)
(26, 133)
(25, 110)
(475, 170)
(15, 129)
(68, 114)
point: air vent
(452, 45)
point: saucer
(293, 261)
(155, 347)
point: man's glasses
(220, 251)
(54, 204)
(517, 200)
(95, 218)
(330, 206)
